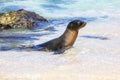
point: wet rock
(20, 19)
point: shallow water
(94, 56)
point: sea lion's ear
(70, 25)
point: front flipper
(61, 50)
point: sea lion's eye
(79, 23)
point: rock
(20, 19)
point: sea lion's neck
(70, 37)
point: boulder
(20, 19)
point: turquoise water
(58, 12)
(63, 8)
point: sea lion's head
(76, 25)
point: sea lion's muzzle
(82, 25)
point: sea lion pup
(65, 41)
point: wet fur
(65, 41)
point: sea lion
(65, 41)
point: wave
(63, 8)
